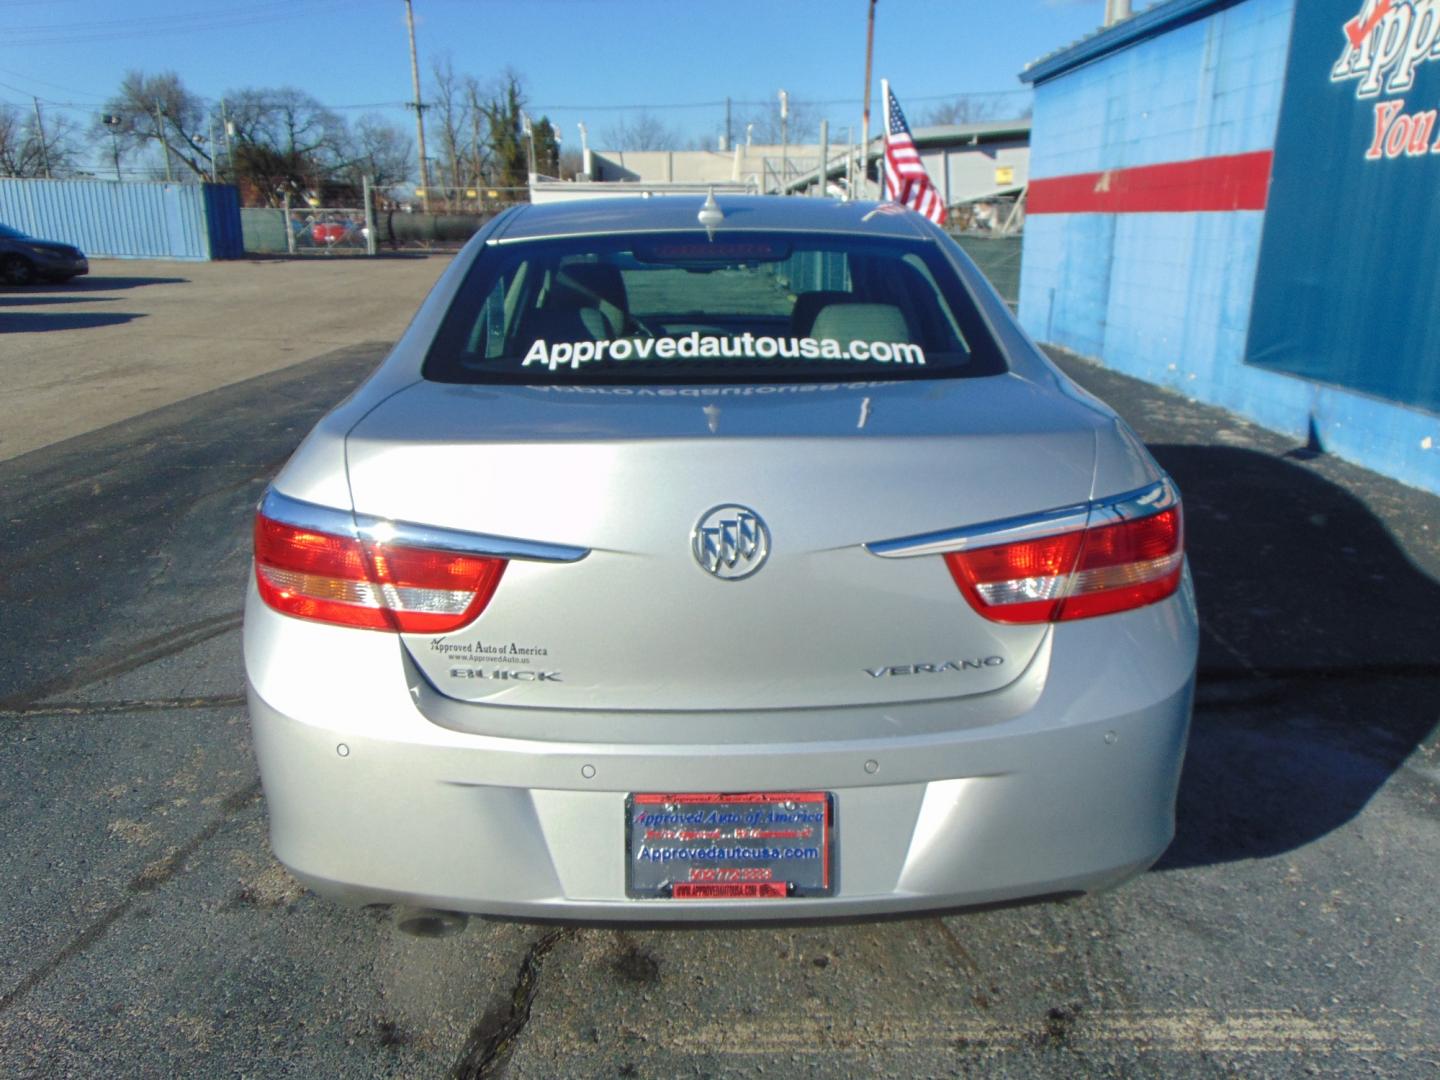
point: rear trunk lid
(628, 472)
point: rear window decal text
(572, 354)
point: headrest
(808, 305)
(861, 322)
(596, 283)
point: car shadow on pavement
(37, 322)
(320, 255)
(1318, 669)
(93, 283)
(13, 299)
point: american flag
(906, 181)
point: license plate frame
(764, 845)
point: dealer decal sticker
(572, 354)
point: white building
(984, 166)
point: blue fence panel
(222, 216)
(127, 221)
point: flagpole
(885, 109)
(865, 116)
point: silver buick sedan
(696, 559)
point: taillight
(352, 582)
(1075, 575)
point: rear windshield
(688, 308)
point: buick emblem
(730, 542)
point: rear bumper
(370, 801)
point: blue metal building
(111, 220)
(1237, 199)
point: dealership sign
(1384, 45)
(1352, 212)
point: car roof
(669, 213)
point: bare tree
(284, 140)
(157, 111)
(28, 148)
(451, 106)
(285, 118)
(479, 148)
(380, 150)
(570, 164)
(643, 131)
(966, 109)
(802, 125)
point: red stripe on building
(1232, 182)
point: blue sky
(581, 59)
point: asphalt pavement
(1290, 930)
(136, 334)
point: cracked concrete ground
(1289, 930)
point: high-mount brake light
(353, 582)
(1098, 570)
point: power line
(17, 90)
(185, 21)
(156, 25)
(593, 108)
(768, 103)
(648, 107)
(42, 82)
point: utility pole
(784, 138)
(476, 178)
(587, 165)
(113, 122)
(228, 127)
(849, 164)
(368, 194)
(865, 116)
(475, 149)
(419, 107)
(729, 144)
(820, 188)
(289, 229)
(1116, 11)
(528, 129)
(164, 142)
(40, 132)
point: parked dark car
(24, 260)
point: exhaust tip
(429, 922)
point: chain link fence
(342, 231)
(316, 230)
(998, 258)
(442, 220)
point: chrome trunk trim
(408, 534)
(1142, 502)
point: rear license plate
(731, 846)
